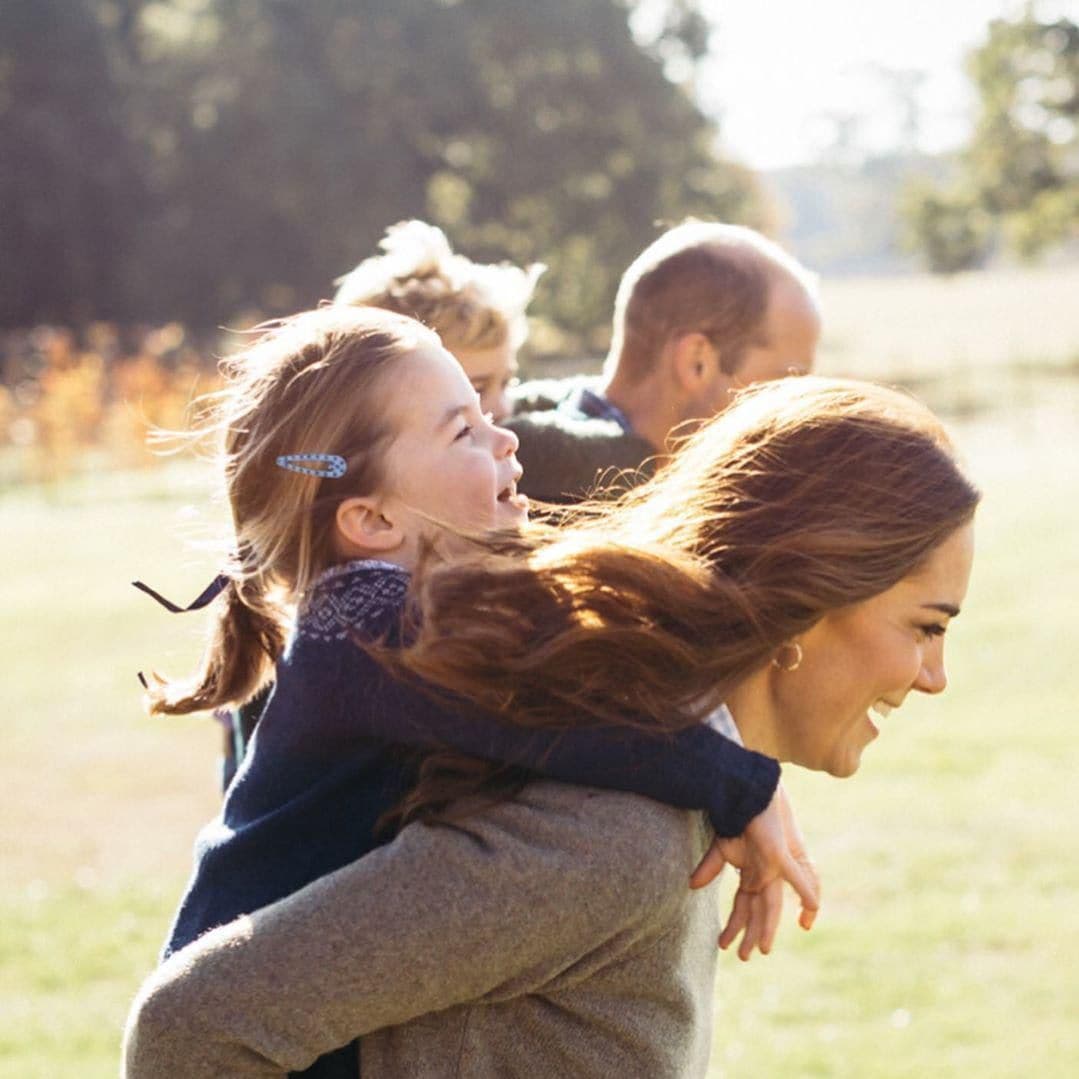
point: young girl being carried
(351, 441)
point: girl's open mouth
(509, 496)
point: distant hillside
(841, 219)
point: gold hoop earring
(787, 667)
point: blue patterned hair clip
(311, 464)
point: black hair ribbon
(203, 599)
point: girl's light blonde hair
(470, 305)
(311, 384)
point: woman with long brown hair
(798, 563)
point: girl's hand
(769, 852)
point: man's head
(706, 309)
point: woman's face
(867, 658)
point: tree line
(1015, 185)
(195, 159)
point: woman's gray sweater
(554, 934)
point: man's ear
(706, 388)
(364, 528)
(695, 362)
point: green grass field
(948, 944)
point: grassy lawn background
(949, 941)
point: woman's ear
(363, 528)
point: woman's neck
(753, 708)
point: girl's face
(867, 658)
(448, 463)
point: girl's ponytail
(245, 642)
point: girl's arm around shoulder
(494, 906)
(695, 768)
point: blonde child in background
(352, 441)
(477, 309)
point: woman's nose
(932, 678)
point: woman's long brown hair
(805, 496)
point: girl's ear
(363, 529)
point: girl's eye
(463, 433)
(932, 629)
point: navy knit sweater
(327, 761)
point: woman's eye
(463, 433)
(932, 629)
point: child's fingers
(754, 927)
(739, 917)
(809, 913)
(710, 866)
(771, 900)
(757, 914)
(810, 893)
(802, 877)
(766, 905)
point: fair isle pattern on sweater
(355, 594)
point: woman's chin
(846, 764)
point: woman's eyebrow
(945, 608)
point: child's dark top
(326, 760)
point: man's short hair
(698, 277)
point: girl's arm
(695, 768)
(501, 905)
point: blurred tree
(1021, 167)
(69, 187)
(951, 230)
(277, 139)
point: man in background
(704, 310)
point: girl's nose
(506, 441)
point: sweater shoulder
(543, 394)
(622, 854)
(565, 457)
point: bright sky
(782, 66)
